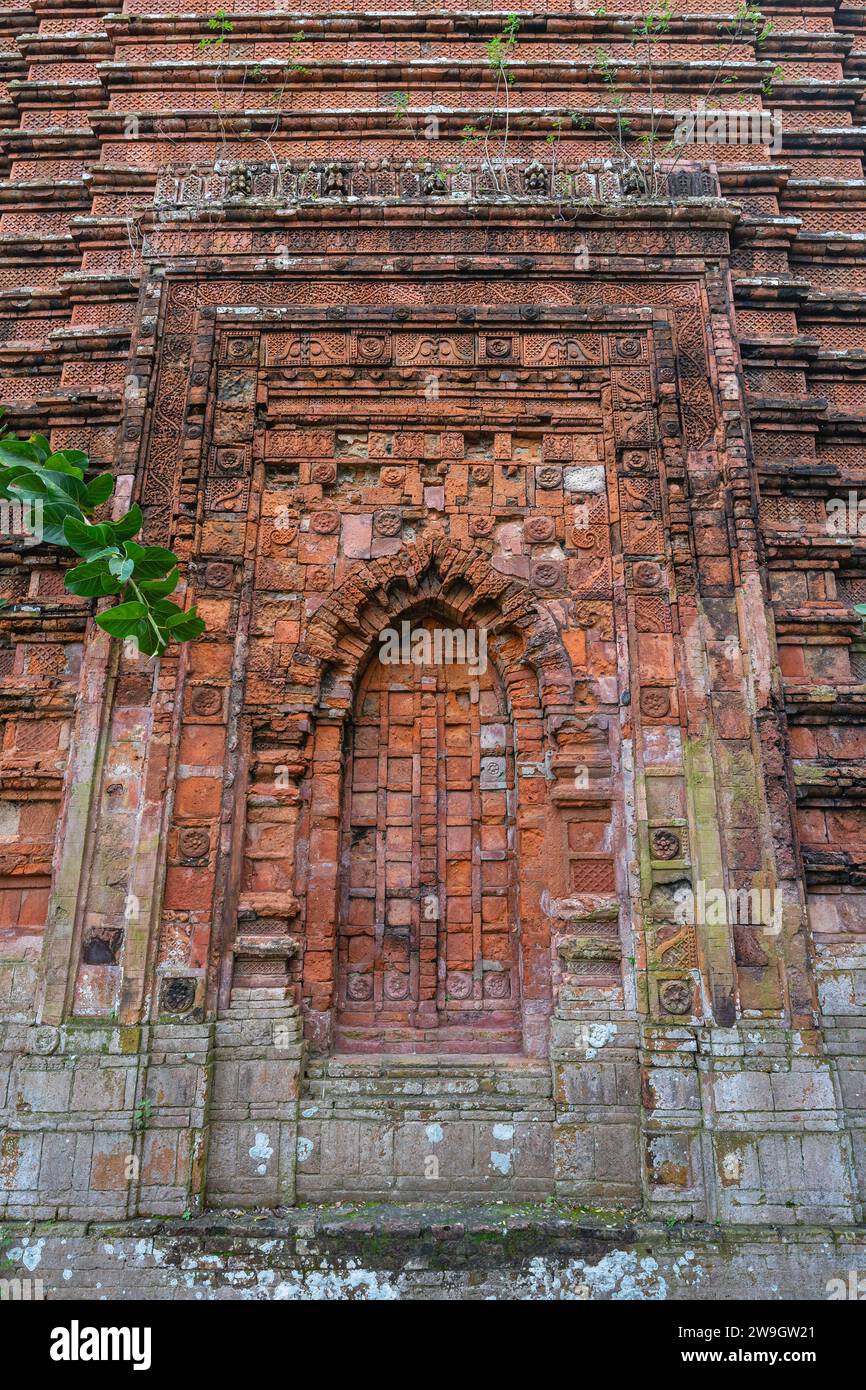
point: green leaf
(98, 491)
(121, 567)
(154, 563)
(14, 451)
(148, 641)
(65, 463)
(128, 525)
(190, 627)
(73, 456)
(77, 535)
(88, 540)
(29, 482)
(92, 580)
(103, 536)
(160, 587)
(26, 482)
(121, 621)
(163, 609)
(55, 515)
(40, 443)
(110, 559)
(65, 485)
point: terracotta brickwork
(282, 917)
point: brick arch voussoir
(460, 579)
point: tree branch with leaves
(111, 563)
(641, 169)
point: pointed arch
(458, 581)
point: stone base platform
(421, 1252)
(394, 1128)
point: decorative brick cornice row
(250, 117)
(445, 74)
(45, 46)
(435, 26)
(258, 185)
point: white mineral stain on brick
(589, 479)
(837, 994)
(502, 1162)
(505, 1133)
(329, 1284)
(598, 1035)
(367, 1284)
(619, 1275)
(30, 1256)
(434, 1134)
(261, 1149)
(685, 1268)
(304, 1149)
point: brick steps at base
(454, 1041)
(400, 1081)
(425, 1125)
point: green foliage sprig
(500, 49)
(222, 27)
(111, 562)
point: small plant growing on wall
(142, 1114)
(636, 157)
(111, 563)
(499, 52)
(220, 26)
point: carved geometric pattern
(652, 614)
(592, 875)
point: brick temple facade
(281, 920)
